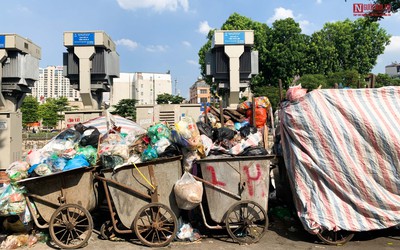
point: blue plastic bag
(77, 162)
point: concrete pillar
(234, 52)
(85, 54)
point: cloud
(281, 13)
(204, 28)
(193, 62)
(157, 5)
(186, 44)
(394, 46)
(131, 45)
(304, 24)
(319, 1)
(157, 48)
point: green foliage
(125, 108)
(312, 81)
(48, 111)
(346, 45)
(346, 78)
(29, 110)
(169, 99)
(386, 80)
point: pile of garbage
(86, 145)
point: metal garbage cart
(237, 190)
(61, 202)
(140, 199)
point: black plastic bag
(205, 129)
(172, 150)
(247, 130)
(253, 151)
(70, 135)
(90, 137)
(220, 134)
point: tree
(385, 80)
(287, 54)
(60, 104)
(29, 110)
(313, 81)
(169, 99)
(48, 112)
(125, 108)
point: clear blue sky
(162, 35)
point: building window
(202, 100)
(203, 91)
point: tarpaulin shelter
(341, 149)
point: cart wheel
(71, 226)
(246, 222)
(155, 225)
(335, 238)
(107, 230)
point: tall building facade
(144, 87)
(200, 92)
(53, 84)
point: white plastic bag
(188, 192)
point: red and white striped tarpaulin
(342, 152)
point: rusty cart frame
(61, 202)
(140, 200)
(236, 191)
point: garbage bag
(110, 161)
(70, 135)
(17, 170)
(253, 151)
(161, 145)
(149, 154)
(90, 136)
(172, 150)
(204, 129)
(158, 131)
(56, 163)
(219, 134)
(247, 130)
(260, 116)
(42, 169)
(188, 192)
(77, 162)
(90, 153)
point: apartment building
(200, 92)
(53, 84)
(142, 86)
